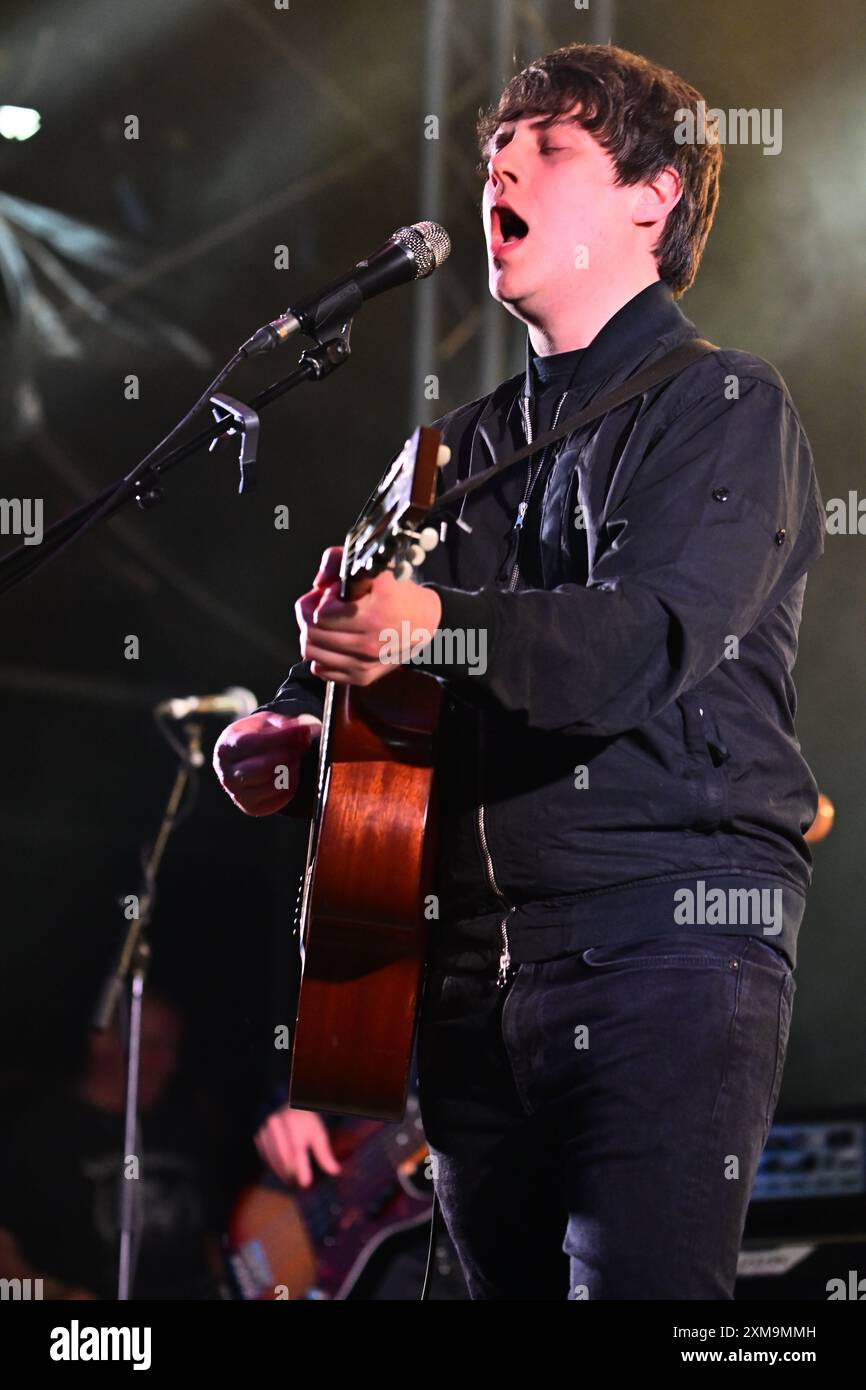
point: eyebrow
(540, 124)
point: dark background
(258, 128)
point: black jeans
(596, 1125)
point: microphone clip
(317, 362)
(247, 425)
(329, 353)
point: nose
(499, 173)
(502, 167)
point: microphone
(412, 253)
(236, 701)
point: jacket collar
(626, 339)
(647, 325)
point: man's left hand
(353, 643)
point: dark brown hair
(628, 105)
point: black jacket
(632, 729)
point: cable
(434, 1231)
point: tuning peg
(417, 555)
(429, 538)
(443, 454)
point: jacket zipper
(505, 951)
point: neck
(575, 325)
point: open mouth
(506, 228)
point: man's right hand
(256, 756)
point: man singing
(622, 869)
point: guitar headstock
(387, 531)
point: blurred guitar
(321, 1241)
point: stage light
(18, 122)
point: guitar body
(371, 855)
(369, 871)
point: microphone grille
(244, 700)
(428, 243)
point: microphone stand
(143, 482)
(132, 966)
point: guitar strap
(664, 369)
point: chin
(514, 297)
(506, 288)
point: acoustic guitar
(372, 847)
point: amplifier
(805, 1235)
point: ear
(656, 198)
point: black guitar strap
(664, 369)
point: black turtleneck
(551, 377)
(642, 320)
(580, 371)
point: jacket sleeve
(721, 517)
(300, 693)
